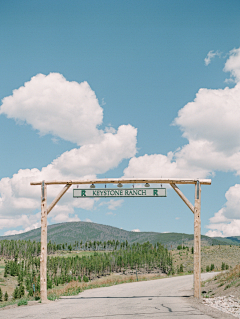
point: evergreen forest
(22, 259)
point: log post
(43, 258)
(197, 241)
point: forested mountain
(85, 231)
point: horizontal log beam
(129, 181)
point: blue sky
(120, 88)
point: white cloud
(112, 204)
(224, 229)
(213, 117)
(15, 232)
(53, 105)
(67, 110)
(210, 56)
(136, 230)
(100, 157)
(233, 64)
(211, 125)
(226, 222)
(177, 218)
(18, 197)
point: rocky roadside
(221, 295)
(229, 305)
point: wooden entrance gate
(196, 209)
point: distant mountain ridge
(86, 231)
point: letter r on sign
(155, 192)
(83, 192)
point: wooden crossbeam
(60, 195)
(129, 181)
(184, 198)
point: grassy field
(79, 253)
(209, 255)
(7, 284)
(225, 284)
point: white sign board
(123, 192)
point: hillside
(85, 231)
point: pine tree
(6, 296)
(15, 293)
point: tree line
(27, 248)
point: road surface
(163, 298)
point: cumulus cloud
(226, 222)
(18, 197)
(53, 105)
(213, 117)
(210, 56)
(15, 232)
(233, 64)
(229, 229)
(67, 110)
(210, 123)
(136, 230)
(99, 157)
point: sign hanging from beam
(123, 192)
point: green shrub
(85, 278)
(207, 268)
(52, 297)
(23, 302)
(79, 278)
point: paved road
(163, 298)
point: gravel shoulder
(212, 312)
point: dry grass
(80, 253)
(7, 284)
(225, 284)
(209, 255)
(75, 287)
